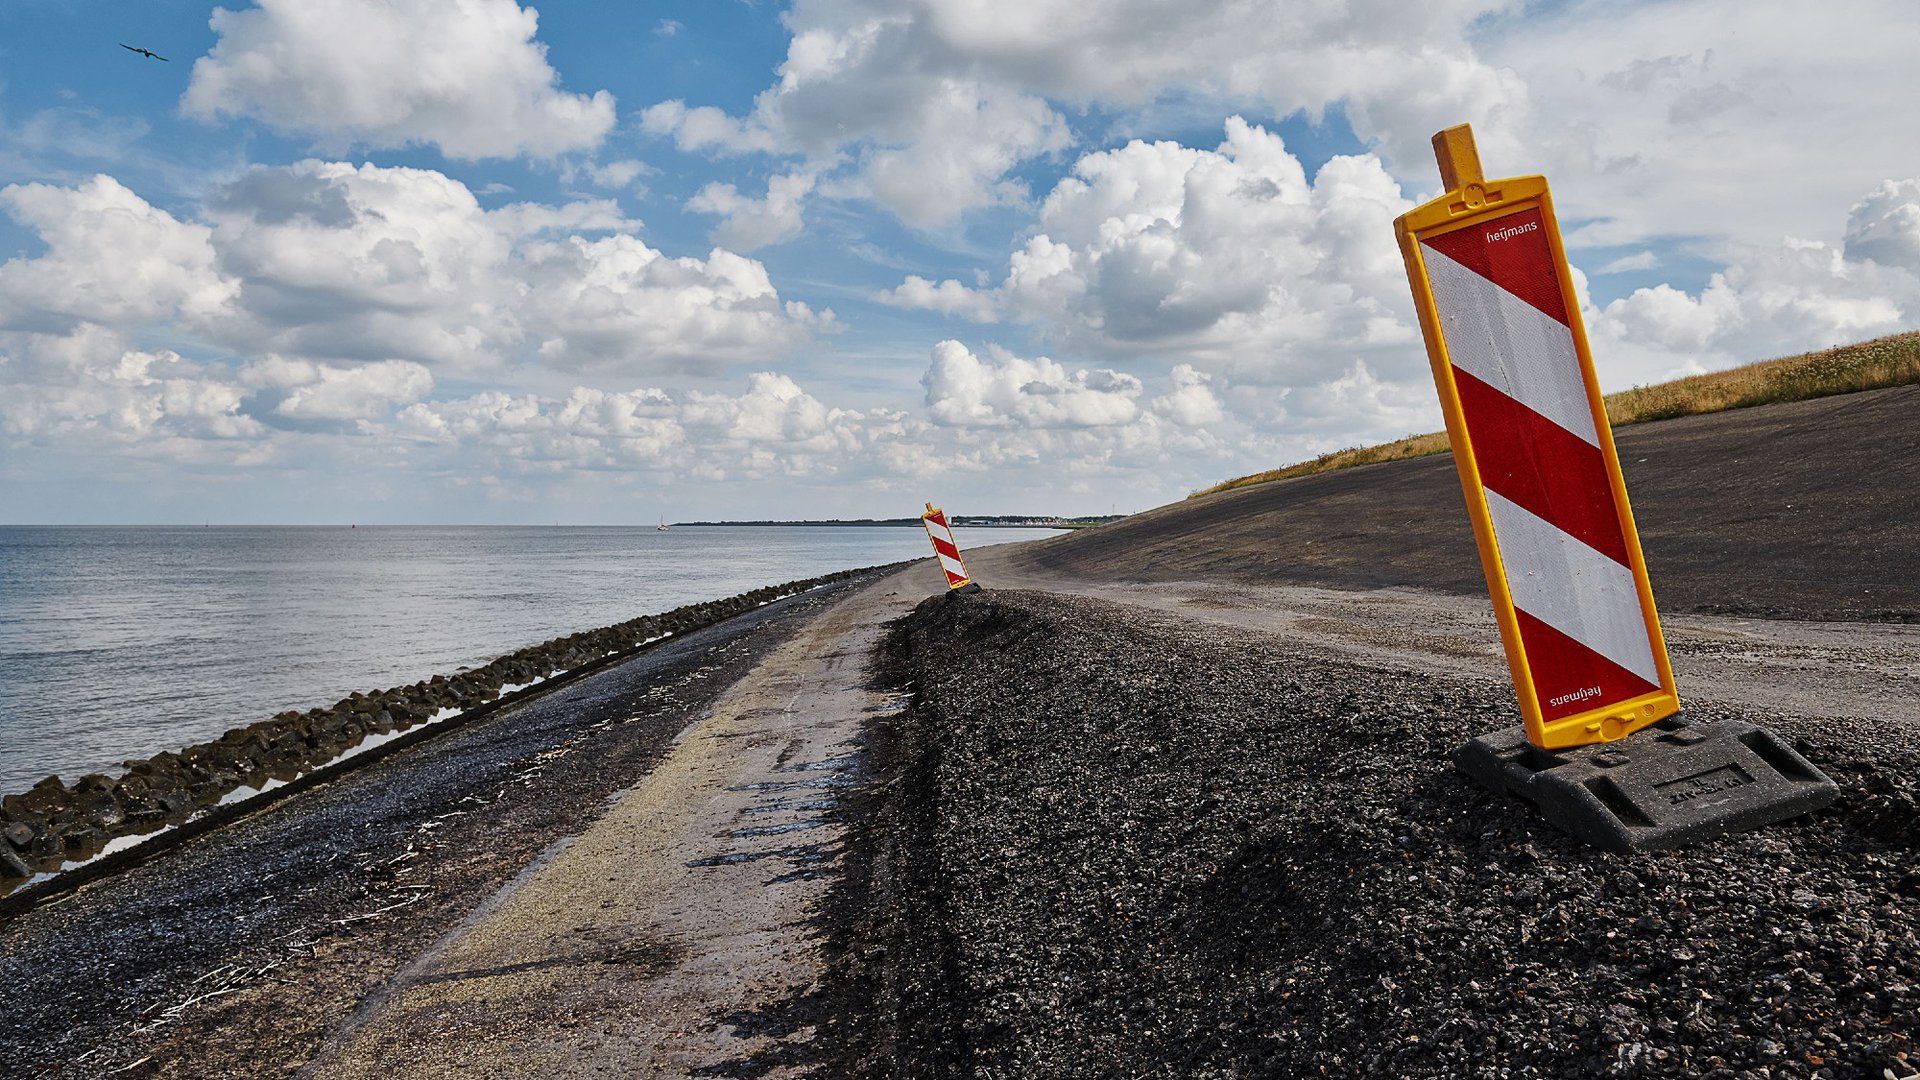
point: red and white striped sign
(944, 547)
(1566, 550)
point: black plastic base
(969, 587)
(1667, 785)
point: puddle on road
(799, 853)
(776, 830)
(832, 764)
(795, 785)
(788, 804)
(804, 874)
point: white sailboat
(662, 527)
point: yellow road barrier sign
(1535, 453)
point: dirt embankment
(1127, 843)
(1801, 511)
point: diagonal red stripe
(1545, 469)
(1517, 258)
(1565, 669)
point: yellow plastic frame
(1472, 200)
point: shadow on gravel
(1116, 842)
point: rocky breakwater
(55, 823)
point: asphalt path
(236, 955)
(689, 929)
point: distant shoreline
(914, 523)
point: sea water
(118, 643)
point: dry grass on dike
(1869, 365)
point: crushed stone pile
(1122, 843)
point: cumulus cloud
(619, 174)
(988, 412)
(929, 106)
(704, 127)
(92, 387)
(1230, 254)
(616, 304)
(936, 102)
(773, 428)
(948, 297)
(1191, 403)
(364, 262)
(774, 412)
(1355, 406)
(332, 261)
(1002, 390)
(1798, 295)
(359, 393)
(111, 258)
(754, 223)
(315, 309)
(965, 141)
(466, 76)
(1624, 101)
(1276, 301)
(589, 430)
(1884, 227)
(1639, 260)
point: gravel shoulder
(1133, 842)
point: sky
(478, 261)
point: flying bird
(148, 53)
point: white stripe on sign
(938, 531)
(1571, 587)
(952, 566)
(1510, 345)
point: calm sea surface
(117, 643)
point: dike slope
(1808, 510)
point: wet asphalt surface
(1124, 843)
(234, 955)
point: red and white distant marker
(944, 547)
(1535, 454)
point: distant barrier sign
(1535, 454)
(944, 547)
